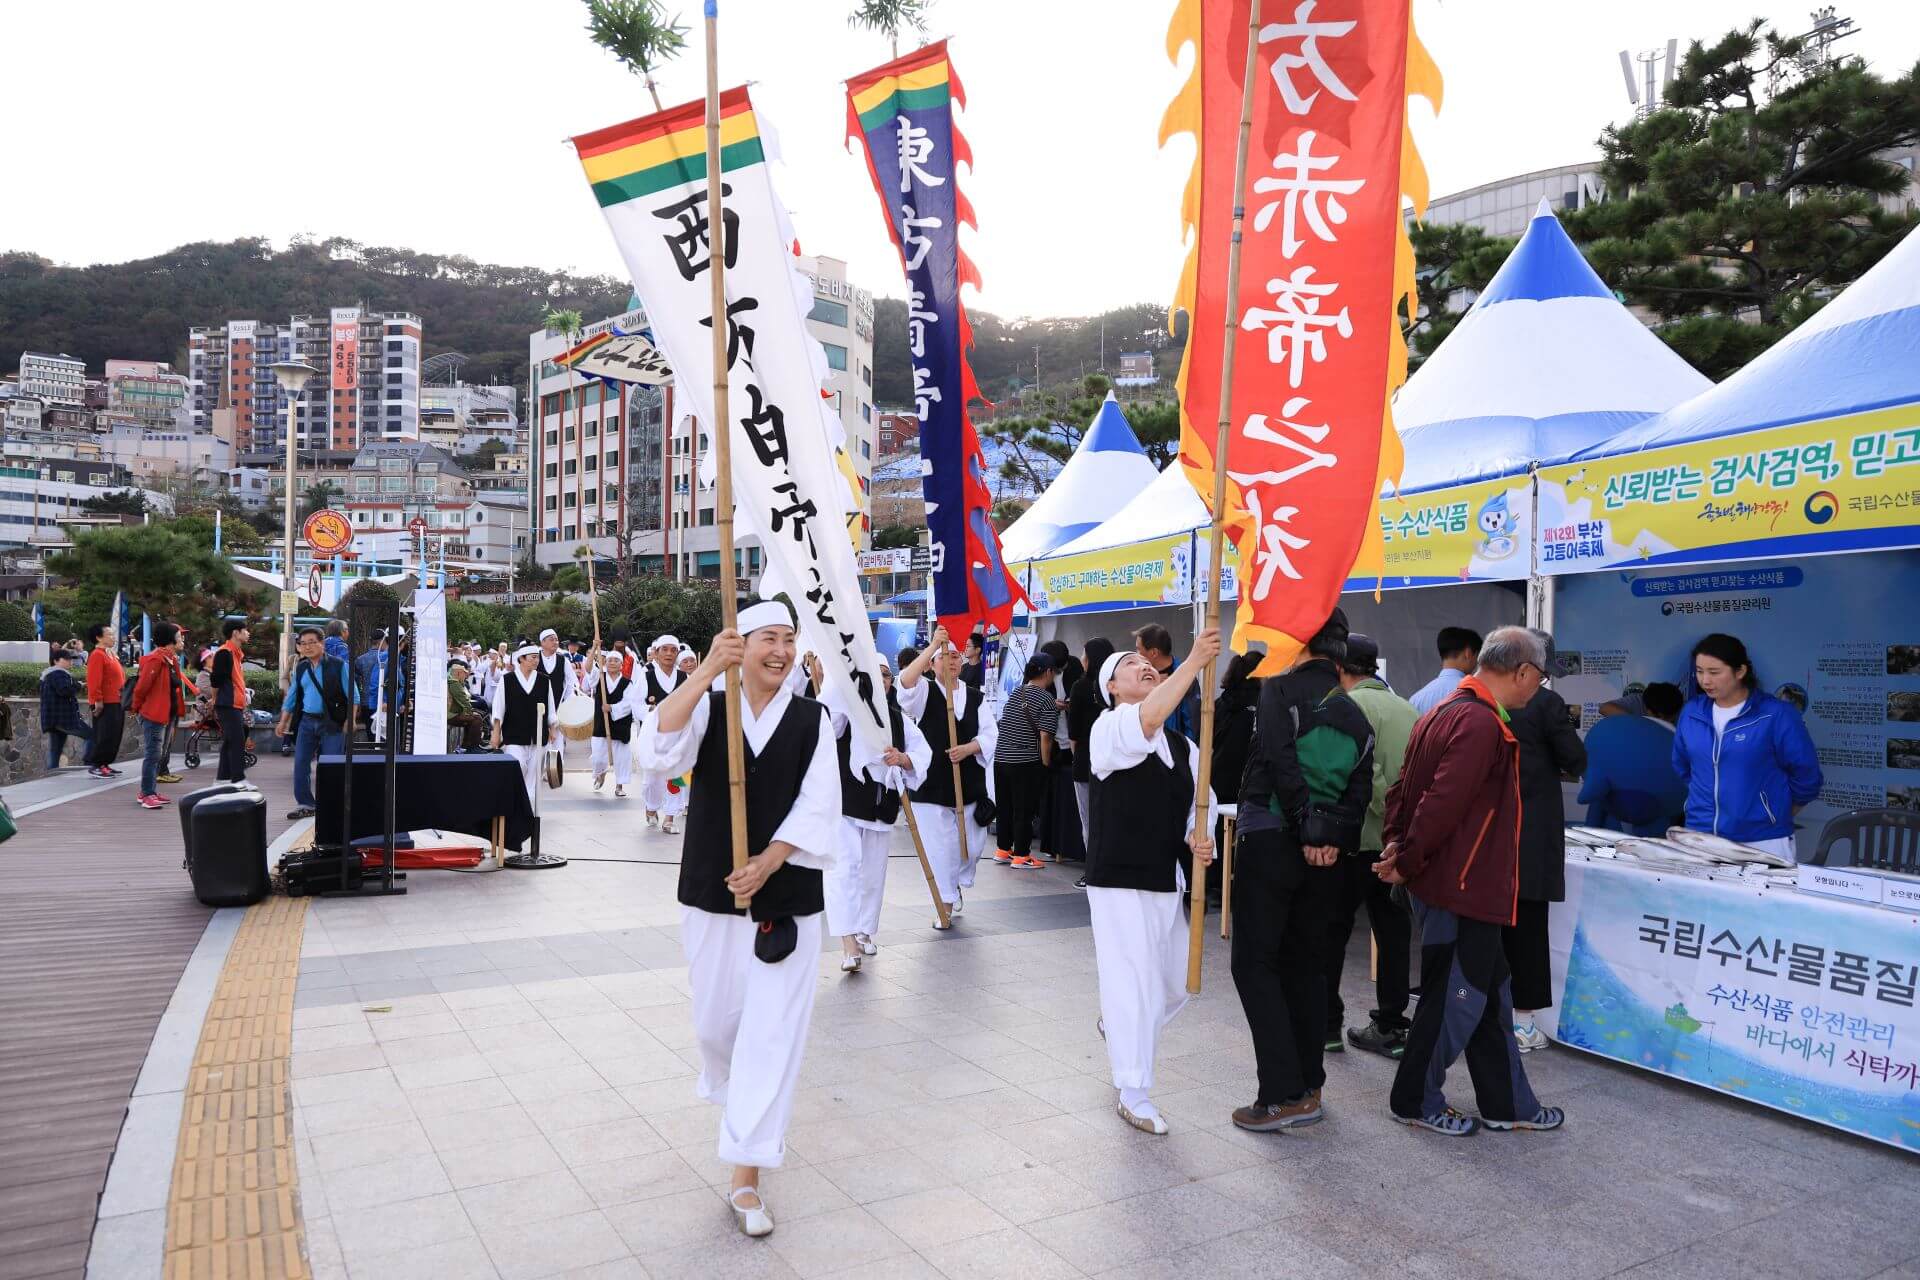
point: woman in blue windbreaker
(1745, 754)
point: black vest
(656, 690)
(519, 722)
(611, 719)
(938, 788)
(1137, 822)
(861, 796)
(553, 680)
(774, 776)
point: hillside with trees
(142, 310)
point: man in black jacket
(1302, 803)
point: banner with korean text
(1325, 265)
(650, 178)
(902, 115)
(1790, 1000)
(1478, 532)
(344, 336)
(1814, 488)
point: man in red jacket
(1452, 836)
(158, 699)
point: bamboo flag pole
(600, 676)
(722, 445)
(926, 868)
(953, 740)
(1202, 808)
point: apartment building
(367, 391)
(55, 379)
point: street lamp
(292, 376)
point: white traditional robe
(621, 753)
(857, 884)
(751, 1018)
(1139, 937)
(528, 758)
(953, 865)
(654, 791)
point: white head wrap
(664, 641)
(548, 632)
(767, 613)
(1109, 669)
(527, 651)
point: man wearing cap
(1391, 717)
(657, 682)
(460, 712)
(522, 702)
(869, 806)
(953, 854)
(751, 971)
(1140, 809)
(1302, 805)
(555, 671)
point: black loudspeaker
(229, 849)
(186, 806)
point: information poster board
(1837, 636)
(430, 672)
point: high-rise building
(150, 393)
(56, 379)
(368, 390)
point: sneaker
(1003, 857)
(99, 771)
(168, 777)
(160, 799)
(1543, 1119)
(1334, 1044)
(113, 772)
(1529, 1037)
(1049, 857)
(304, 811)
(1448, 1123)
(1081, 883)
(1270, 1117)
(1027, 863)
(150, 802)
(1373, 1038)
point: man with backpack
(1302, 804)
(314, 714)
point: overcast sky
(133, 127)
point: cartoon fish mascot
(1496, 524)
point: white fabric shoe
(849, 964)
(1148, 1123)
(755, 1222)
(867, 947)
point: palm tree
(568, 324)
(316, 497)
(639, 33)
(891, 15)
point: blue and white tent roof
(1859, 352)
(1165, 507)
(1546, 363)
(1104, 473)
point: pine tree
(1753, 195)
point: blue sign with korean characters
(1791, 1000)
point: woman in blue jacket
(1745, 754)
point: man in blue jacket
(1630, 783)
(1746, 755)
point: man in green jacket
(1392, 718)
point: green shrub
(16, 622)
(20, 679)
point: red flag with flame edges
(1325, 266)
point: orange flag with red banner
(1326, 265)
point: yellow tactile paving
(234, 1206)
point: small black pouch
(774, 940)
(984, 811)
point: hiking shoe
(150, 802)
(168, 777)
(1543, 1119)
(1529, 1037)
(1448, 1123)
(1270, 1117)
(1373, 1038)
(1003, 857)
(1027, 863)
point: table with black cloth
(480, 795)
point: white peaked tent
(1168, 505)
(1106, 470)
(1546, 363)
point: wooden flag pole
(722, 449)
(953, 740)
(600, 676)
(926, 868)
(1202, 807)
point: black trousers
(1390, 928)
(1017, 789)
(1281, 910)
(108, 726)
(1527, 959)
(233, 744)
(1466, 1007)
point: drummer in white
(520, 703)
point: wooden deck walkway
(97, 921)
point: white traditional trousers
(858, 880)
(528, 758)
(1140, 948)
(622, 759)
(751, 1020)
(654, 793)
(953, 866)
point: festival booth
(1791, 494)
(1106, 470)
(1545, 363)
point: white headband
(1109, 669)
(549, 632)
(663, 642)
(768, 613)
(527, 651)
